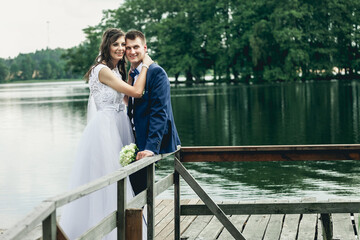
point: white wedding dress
(107, 131)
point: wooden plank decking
(253, 227)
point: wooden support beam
(271, 153)
(213, 207)
(275, 208)
(121, 206)
(150, 201)
(133, 230)
(176, 200)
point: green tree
(176, 42)
(45, 69)
(4, 72)
(245, 40)
(14, 71)
(286, 21)
(26, 65)
(345, 32)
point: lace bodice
(104, 96)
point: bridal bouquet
(127, 154)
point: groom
(151, 115)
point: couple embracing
(147, 120)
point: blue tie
(131, 102)
(134, 73)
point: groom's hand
(143, 154)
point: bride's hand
(147, 60)
(130, 79)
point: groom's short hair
(133, 34)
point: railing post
(150, 201)
(134, 224)
(49, 227)
(121, 207)
(177, 200)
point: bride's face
(117, 49)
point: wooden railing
(271, 153)
(260, 153)
(45, 213)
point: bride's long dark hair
(108, 38)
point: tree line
(42, 65)
(237, 40)
(233, 40)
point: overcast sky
(30, 25)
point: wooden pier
(253, 227)
(203, 218)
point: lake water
(41, 125)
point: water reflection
(257, 180)
(42, 123)
(303, 113)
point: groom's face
(135, 50)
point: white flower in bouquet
(127, 154)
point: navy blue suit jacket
(153, 118)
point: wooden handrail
(271, 153)
(104, 181)
(28, 223)
(46, 211)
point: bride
(107, 131)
